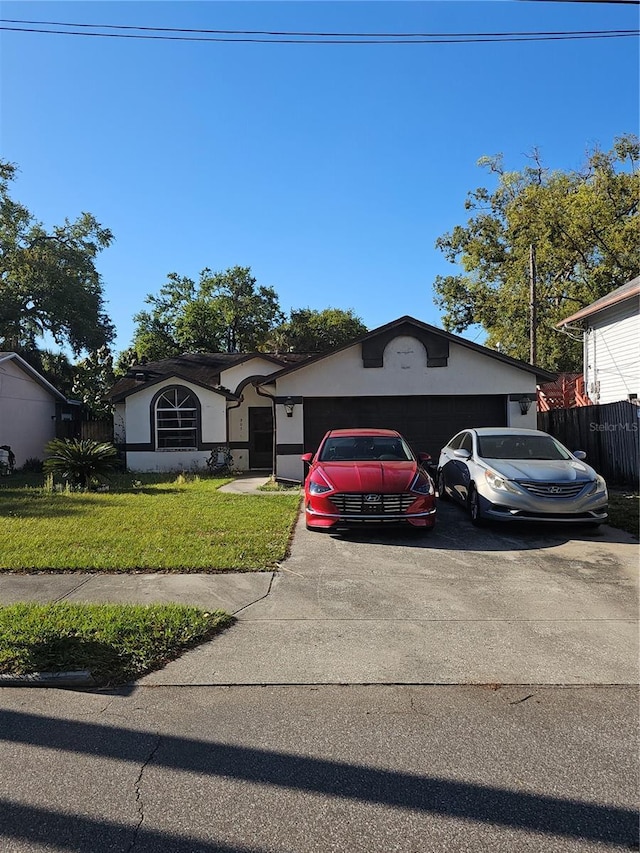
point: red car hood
(374, 477)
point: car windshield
(520, 447)
(365, 448)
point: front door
(261, 437)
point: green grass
(624, 510)
(145, 522)
(116, 643)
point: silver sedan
(520, 475)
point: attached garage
(420, 380)
(426, 422)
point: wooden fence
(97, 430)
(609, 435)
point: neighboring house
(611, 334)
(405, 375)
(31, 409)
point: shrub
(81, 462)
(33, 465)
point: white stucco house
(611, 335)
(30, 408)
(270, 409)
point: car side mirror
(579, 454)
(424, 457)
(461, 453)
(307, 457)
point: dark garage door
(426, 422)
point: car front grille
(367, 504)
(553, 490)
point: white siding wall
(27, 412)
(405, 372)
(612, 353)
(167, 460)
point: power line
(592, 2)
(256, 36)
(319, 34)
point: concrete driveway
(505, 605)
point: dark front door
(260, 437)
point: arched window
(176, 419)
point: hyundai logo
(554, 490)
(372, 499)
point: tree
(93, 377)
(583, 226)
(310, 330)
(48, 279)
(224, 311)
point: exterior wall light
(288, 407)
(525, 405)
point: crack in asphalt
(138, 793)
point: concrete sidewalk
(231, 592)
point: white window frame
(179, 410)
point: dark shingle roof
(202, 368)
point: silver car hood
(542, 470)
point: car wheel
(474, 508)
(442, 494)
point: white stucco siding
(27, 412)
(168, 460)
(612, 353)
(138, 413)
(405, 372)
(233, 376)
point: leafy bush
(32, 465)
(81, 462)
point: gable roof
(33, 373)
(202, 369)
(628, 291)
(433, 332)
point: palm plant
(81, 462)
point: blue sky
(330, 170)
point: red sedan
(367, 476)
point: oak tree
(583, 226)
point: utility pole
(533, 313)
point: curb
(78, 678)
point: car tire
(474, 508)
(442, 493)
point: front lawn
(144, 522)
(116, 643)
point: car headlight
(422, 486)
(318, 488)
(499, 483)
(598, 485)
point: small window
(176, 418)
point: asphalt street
(319, 769)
